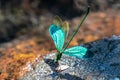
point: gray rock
(105, 64)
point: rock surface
(105, 65)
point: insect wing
(77, 51)
(65, 27)
(57, 21)
(58, 36)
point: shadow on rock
(57, 74)
(51, 63)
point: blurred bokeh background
(24, 28)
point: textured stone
(105, 65)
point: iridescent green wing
(58, 36)
(78, 52)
